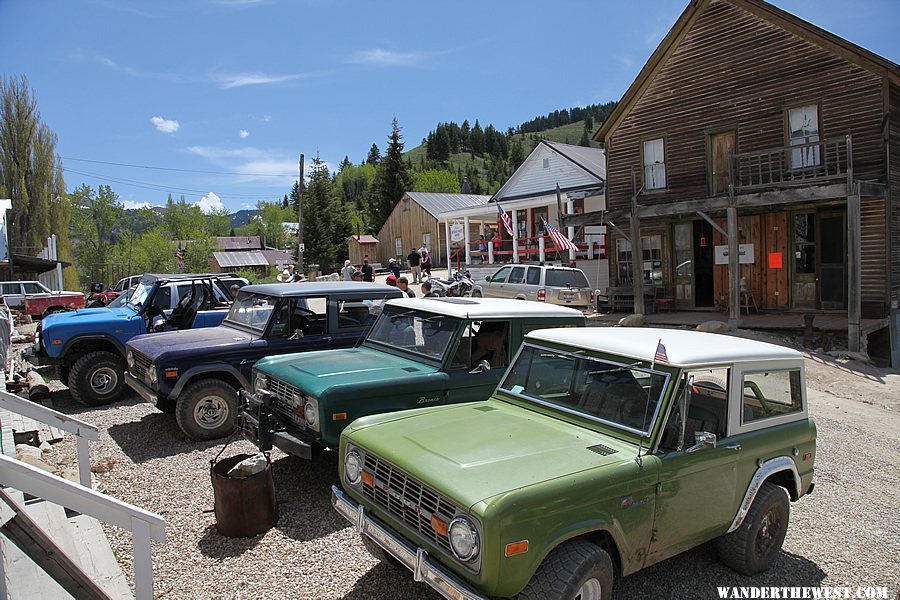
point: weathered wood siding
(874, 252)
(736, 70)
(893, 131)
(409, 221)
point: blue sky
(245, 86)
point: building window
(406, 205)
(803, 128)
(654, 165)
(651, 265)
(398, 246)
(805, 243)
(537, 221)
(426, 240)
(546, 163)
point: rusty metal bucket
(245, 506)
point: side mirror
(702, 439)
(483, 365)
(487, 278)
(158, 322)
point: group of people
(364, 273)
(419, 262)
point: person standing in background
(395, 268)
(368, 272)
(426, 263)
(414, 259)
(347, 271)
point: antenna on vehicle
(661, 355)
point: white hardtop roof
(486, 308)
(683, 348)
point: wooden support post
(541, 245)
(466, 241)
(490, 250)
(515, 240)
(734, 275)
(637, 259)
(447, 240)
(854, 267)
(143, 560)
(84, 461)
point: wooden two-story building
(756, 159)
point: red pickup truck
(37, 300)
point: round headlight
(463, 539)
(261, 383)
(353, 465)
(153, 377)
(129, 358)
(311, 410)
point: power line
(163, 188)
(103, 162)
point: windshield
(618, 393)
(139, 296)
(251, 310)
(418, 332)
(564, 278)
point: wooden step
(96, 557)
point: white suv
(566, 286)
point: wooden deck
(766, 320)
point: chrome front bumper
(414, 559)
(142, 389)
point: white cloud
(134, 204)
(244, 134)
(387, 58)
(233, 80)
(165, 125)
(210, 203)
(269, 167)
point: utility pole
(300, 247)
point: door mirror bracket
(702, 439)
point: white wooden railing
(143, 525)
(84, 432)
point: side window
(10, 289)
(501, 275)
(309, 316)
(32, 288)
(770, 394)
(707, 408)
(534, 276)
(490, 342)
(163, 298)
(517, 275)
(354, 313)
(462, 358)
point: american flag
(507, 221)
(179, 254)
(559, 240)
(660, 355)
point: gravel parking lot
(846, 533)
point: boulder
(714, 327)
(636, 320)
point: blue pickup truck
(198, 374)
(88, 345)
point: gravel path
(846, 533)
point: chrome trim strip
(771, 466)
(415, 559)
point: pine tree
(374, 156)
(476, 139)
(344, 164)
(318, 219)
(392, 179)
(517, 154)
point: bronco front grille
(408, 500)
(142, 364)
(283, 401)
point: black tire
(53, 310)
(380, 554)
(206, 409)
(574, 569)
(97, 378)
(166, 405)
(477, 294)
(754, 546)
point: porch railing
(799, 164)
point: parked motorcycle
(460, 285)
(100, 298)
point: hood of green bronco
(316, 372)
(474, 451)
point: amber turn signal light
(439, 526)
(339, 416)
(368, 479)
(516, 548)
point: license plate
(567, 296)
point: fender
(208, 368)
(84, 338)
(770, 467)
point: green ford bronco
(601, 449)
(420, 352)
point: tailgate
(574, 296)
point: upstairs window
(803, 129)
(654, 165)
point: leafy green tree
(434, 180)
(31, 174)
(217, 222)
(270, 224)
(96, 218)
(391, 180)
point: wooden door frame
(824, 212)
(709, 133)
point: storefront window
(651, 265)
(805, 243)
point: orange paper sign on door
(775, 261)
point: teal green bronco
(601, 450)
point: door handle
(328, 339)
(735, 447)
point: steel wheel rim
(590, 590)
(103, 380)
(765, 536)
(211, 412)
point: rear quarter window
(565, 278)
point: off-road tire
(212, 394)
(166, 405)
(477, 294)
(754, 546)
(568, 569)
(380, 554)
(86, 378)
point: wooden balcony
(796, 165)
